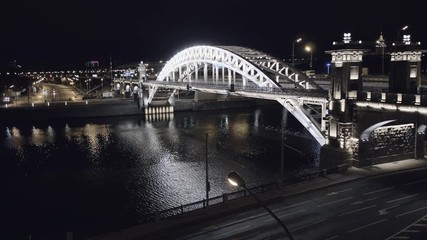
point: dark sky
(71, 32)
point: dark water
(93, 176)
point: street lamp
(328, 65)
(235, 180)
(87, 87)
(102, 87)
(293, 50)
(308, 49)
(401, 29)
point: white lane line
(416, 210)
(293, 213)
(381, 190)
(402, 198)
(385, 211)
(290, 206)
(336, 236)
(420, 225)
(400, 237)
(411, 231)
(308, 225)
(414, 182)
(228, 232)
(368, 225)
(357, 210)
(335, 193)
(363, 201)
(340, 200)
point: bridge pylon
(346, 80)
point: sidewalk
(150, 229)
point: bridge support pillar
(405, 67)
(346, 71)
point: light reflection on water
(108, 173)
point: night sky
(63, 33)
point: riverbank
(110, 108)
(65, 110)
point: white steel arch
(253, 66)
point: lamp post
(328, 65)
(102, 87)
(235, 180)
(207, 174)
(401, 29)
(308, 49)
(293, 50)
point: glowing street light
(102, 87)
(308, 49)
(401, 29)
(293, 50)
(235, 180)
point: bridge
(244, 72)
(331, 115)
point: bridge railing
(250, 87)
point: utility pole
(207, 174)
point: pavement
(352, 173)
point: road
(56, 92)
(49, 93)
(371, 208)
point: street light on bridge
(235, 180)
(309, 49)
(293, 50)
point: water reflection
(108, 173)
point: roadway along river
(98, 175)
(392, 206)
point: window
(413, 71)
(354, 72)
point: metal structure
(241, 71)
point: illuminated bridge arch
(224, 62)
(210, 68)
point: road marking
(335, 201)
(402, 198)
(336, 236)
(384, 189)
(396, 235)
(420, 225)
(335, 193)
(308, 225)
(357, 210)
(290, 213)
(290, 206)
(412, 231)
(414, 182)
(416, 210)
(384, 211)
(361, 202)
(368, 225)
(228, 232)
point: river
(92, 176)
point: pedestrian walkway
(352, 173)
